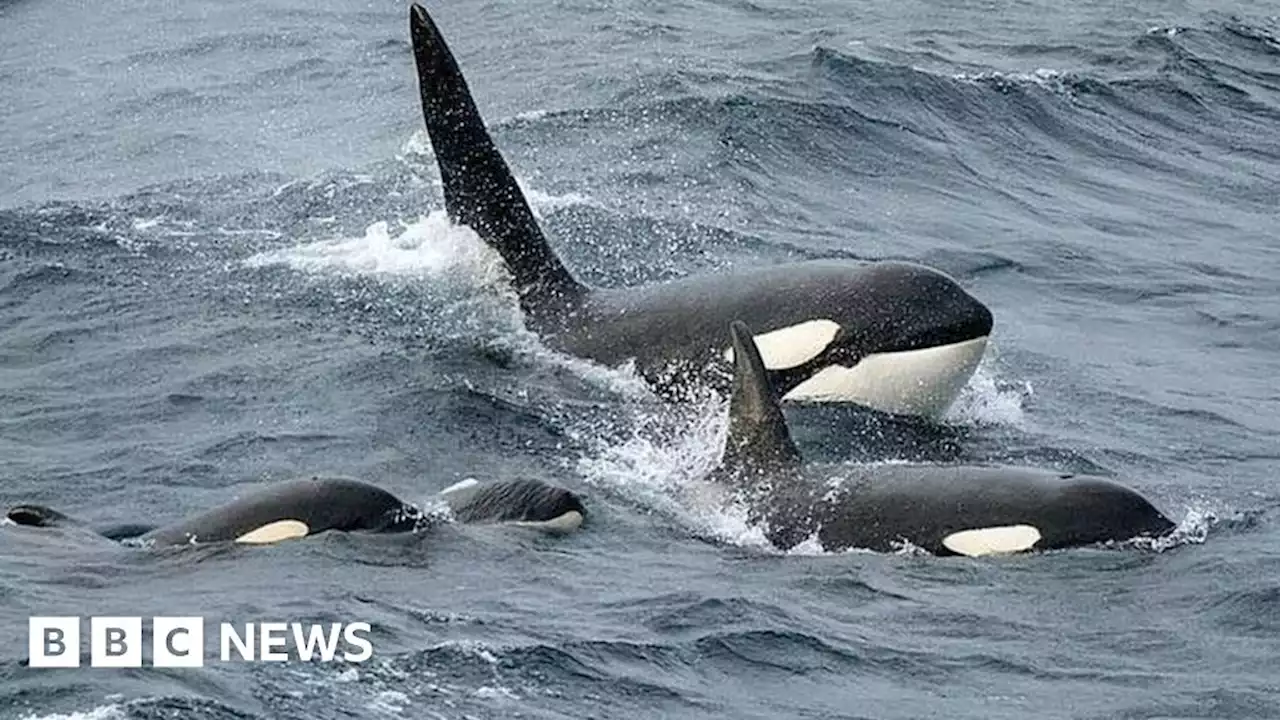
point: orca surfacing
(946, 510)
(308, 506)
(898, 337)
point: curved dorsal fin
(758, 434)
(36, 516)
(479, 191)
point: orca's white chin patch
(913, 382)
(559, 525)
(275, 532)
(1002, 540)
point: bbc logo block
(118, 642)
(115, 642)
(177, 642)
(54, 642)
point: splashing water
(663, 463)
(1193, 529)
(112, 711)
(452, 258)
(987, 399)
(429, 248)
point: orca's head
(904, 307)
(903, 339)
(337, 503)
(1097, 510)
(531, 503)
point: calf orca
(308, 506)
(945, 510)
(897, 337)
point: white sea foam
(473, 648)
(495, 692)
(528, 116)
(144, 224)
(1193, 529)
(1047, 78)
(987, 399)
(430, 247)
(544, 202)
(434, 250)
(419, 143)
(663, 464)
(111, 711)
(389, 702)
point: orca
(945, 510)
(309, 506)
(897, 337)
(525, 503)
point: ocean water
(224, 261)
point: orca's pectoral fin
(479, 190)
(35, 516)
(758, 434)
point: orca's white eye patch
(275, 532)
(1000, 540)
(794, 345)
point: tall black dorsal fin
(758, 434)
(479, 190)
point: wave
(1175, 116)
(151, 709)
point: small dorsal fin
(41, 516)
(479, 191)
(37, 516)
(758, 434)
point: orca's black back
(514, 501)
(321, 503)
(924, 504)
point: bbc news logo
(54, 642)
